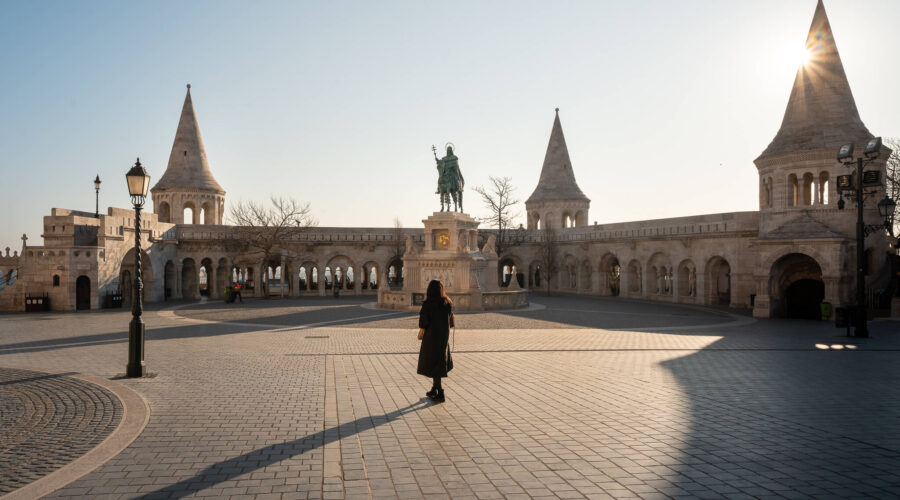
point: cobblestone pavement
(591, 397)
(48, 420)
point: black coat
(436, 318)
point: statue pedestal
(451, 255)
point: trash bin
(826, 309)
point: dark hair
(436, 292)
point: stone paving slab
(47, 421)
(768, 409)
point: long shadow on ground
(262, 457)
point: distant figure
(435, 321)
(335, 289)
(237, 291)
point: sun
(801, 56)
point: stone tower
(557, 201)
(798, 170)
(187, 181)
(806, 247)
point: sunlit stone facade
(797, 250)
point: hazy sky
(664, 104)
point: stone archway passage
(82, 293)
(788, 300)
(802, 299)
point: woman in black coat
(435, 321)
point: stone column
(358, 275)
(319, 273)
(676, 282)
(211, 286)
(295, 280)
(176, 293)
(284, 276)
(261, 278)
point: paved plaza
(575, 397)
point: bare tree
(263, 228)
(500, 202)
(399, 243)
(548, 254)
(892, 183)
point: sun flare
(802, 56)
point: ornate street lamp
(138, 184)
(97, 189)
(853, 189)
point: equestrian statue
(450, 180)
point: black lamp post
(870, 179)
(138, 184)
(97, 189)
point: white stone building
(796, 251)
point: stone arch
(205, 277)
(808, 188)
(164, 213)
(793, 190)
(394, 273)
(307, 276)
(192, 218)
(169, 280)
(687, 279)
(659, 274)
(126, 277)
(208, 213)
(796, 286)
(508, 266)
(824, 186)
(371, 276)
(717, 281)
(339, 264)
(610, 275)
(535, 279)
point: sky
(664, 104)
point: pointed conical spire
(821, 112)
(187, 166)
(557, 180)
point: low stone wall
(462, 301)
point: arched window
(823, 188)
(537, 222)
(163, 212)
(55, 280)
(807, 188)
(793, 191)
(188, 214)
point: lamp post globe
(886, 208)
(138, 181)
